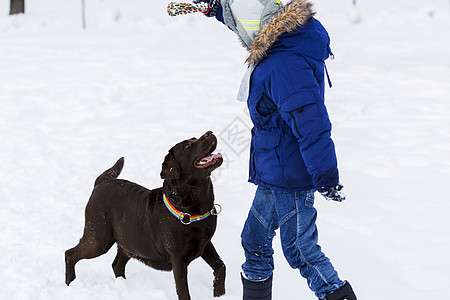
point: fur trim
(296, 13)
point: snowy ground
(137, 81)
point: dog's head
(192, 157)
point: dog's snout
(208, 134)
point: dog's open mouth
(209, 160)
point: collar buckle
(186, 218)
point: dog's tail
(111, 173)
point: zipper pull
(330, 53)
(328, 76)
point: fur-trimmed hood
(293, 30)
(262, 25)
(295, 14)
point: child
(292, 154)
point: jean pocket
(309, 199)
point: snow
(138, 81)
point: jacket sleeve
(296, 92)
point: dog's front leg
(215, 262)
(180, 275)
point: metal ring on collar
(217, 210)
(183, 216)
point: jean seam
(311, 265)
(286, 218)
(259, 218)
(300, 250)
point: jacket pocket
(265, 106)
(267, 157)
(305, 113)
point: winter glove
(213, 6)
(333, 193)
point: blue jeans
(294, 214)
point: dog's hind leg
(119, 263)
(215, 262)
(91, 245)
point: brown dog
(165, 228)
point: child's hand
(213, 5)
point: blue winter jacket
(291, 147)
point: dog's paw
(219, 291)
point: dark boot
(261, 290)
(345, 292)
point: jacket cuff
(327, 180)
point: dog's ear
(170, 168)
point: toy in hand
(177, 8)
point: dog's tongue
(209, 158)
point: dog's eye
(187, 145)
